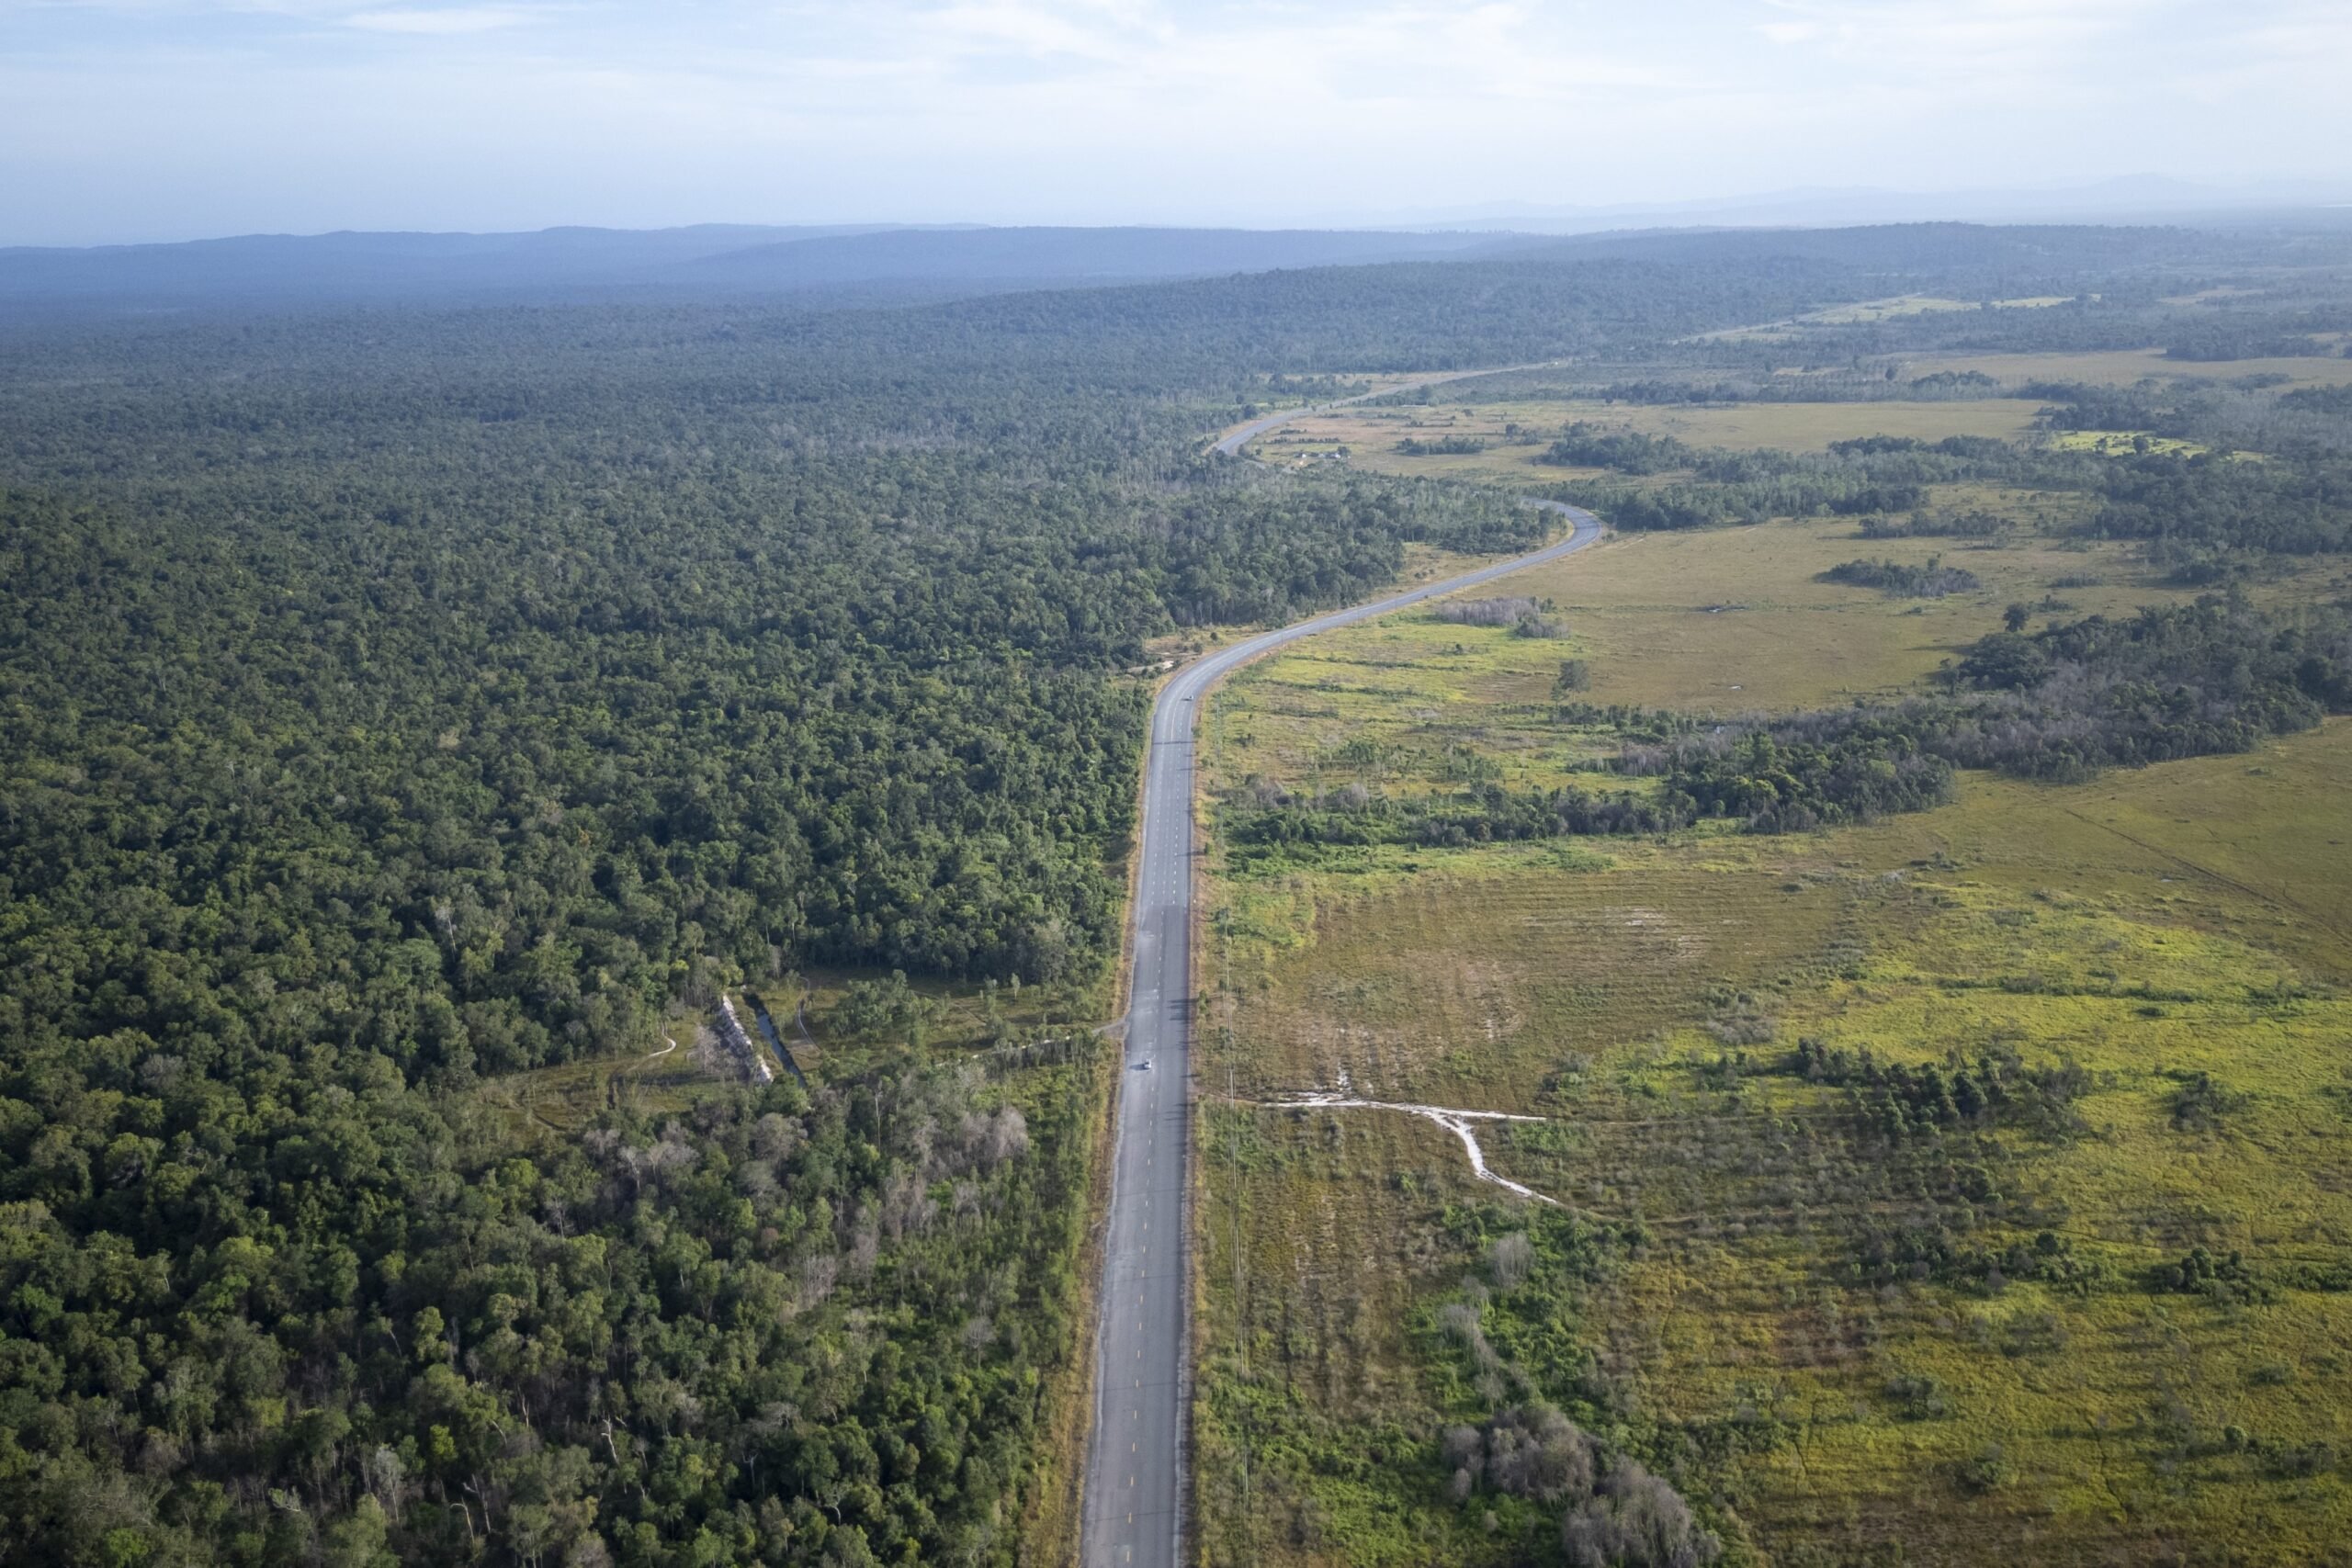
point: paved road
(1135, 1468)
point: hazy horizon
(154, 120)
(2126, 200)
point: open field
(2125, 443)
(1510, 434)
(1725, 621)
(1891, 309)
(959, 1018)
(2121, 368)
(1842, 1345)
(2146, 926)
(1924, 304)
(1371, 434)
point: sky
(158, 120)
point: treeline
(1587, 445)
(2062, 703)
(2205, 516)
(2258, 339)
(1853, 478)
(1793, 780)
(2193, 508)
(1896, 1101)
(1263, 818)
(1974, 524)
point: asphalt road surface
(1135, 1468)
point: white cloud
(305, 113)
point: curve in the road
(1135, 1469)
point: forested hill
(701, 262)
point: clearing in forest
(2102, 1320)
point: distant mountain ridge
(361, 263)
(2136, 198)
(829, 267)
(1075, 254)
(703, 259)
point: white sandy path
(1454, 1122)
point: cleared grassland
(2146, 927)
(2124, 442)
(2121, 368)
(1893, 307)
(1727, 621)
(1372, 435)
(1922, 304)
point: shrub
(1538, 1453)
(1588, 446)
(2300, 1460)
(2199, 1273)
(1986, 1470)
(2200, 1104)
(1511, 1259)
(1635, 1520)
(1525, 617)
(1918, 1397)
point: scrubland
(2104, 1323)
